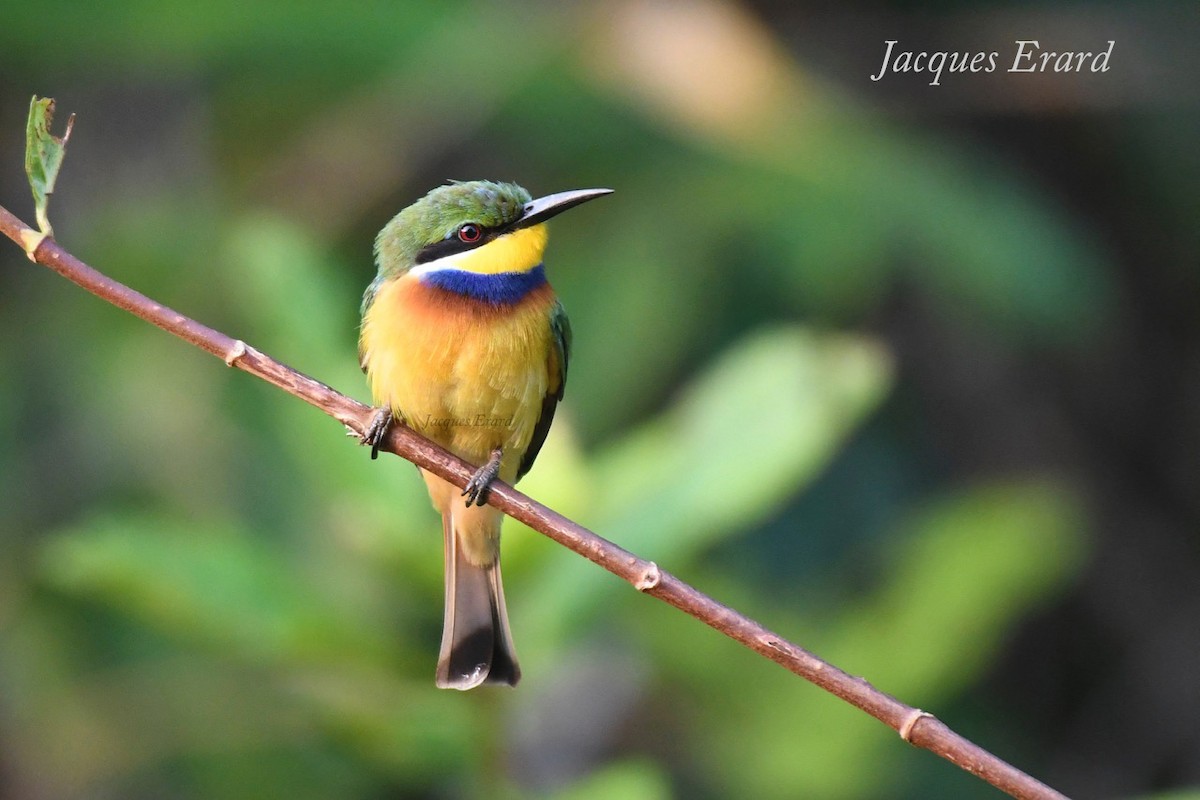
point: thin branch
(914, 726)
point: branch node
(649, 578)
(31, 240)
(910, 722)
(237, 351)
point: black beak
(546, 207)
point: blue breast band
(502, 288)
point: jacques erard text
(1028, 56)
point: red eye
(469, 233)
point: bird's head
(476, 226)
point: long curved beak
(546, 207)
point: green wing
(560, 328)
(368, 299)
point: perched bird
(464, 341)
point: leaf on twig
(44, 156)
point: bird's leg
(477, 488)
(376, 432)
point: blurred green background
(909, 373)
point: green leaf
(44, 154)
(212, 583)
(960, 574)
(749, 433)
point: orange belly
(468, 375)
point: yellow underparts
(468, 376)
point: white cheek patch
(452, 261)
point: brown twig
(914, 726)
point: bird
(464, 341)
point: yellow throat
(519, 251)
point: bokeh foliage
(207, 591)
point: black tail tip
(477, 659)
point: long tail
(476, 643)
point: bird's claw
(481, 482)
(377, 431)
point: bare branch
(915, 726)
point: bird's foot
(377, 431)
(481, 482)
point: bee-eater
(464, 341)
